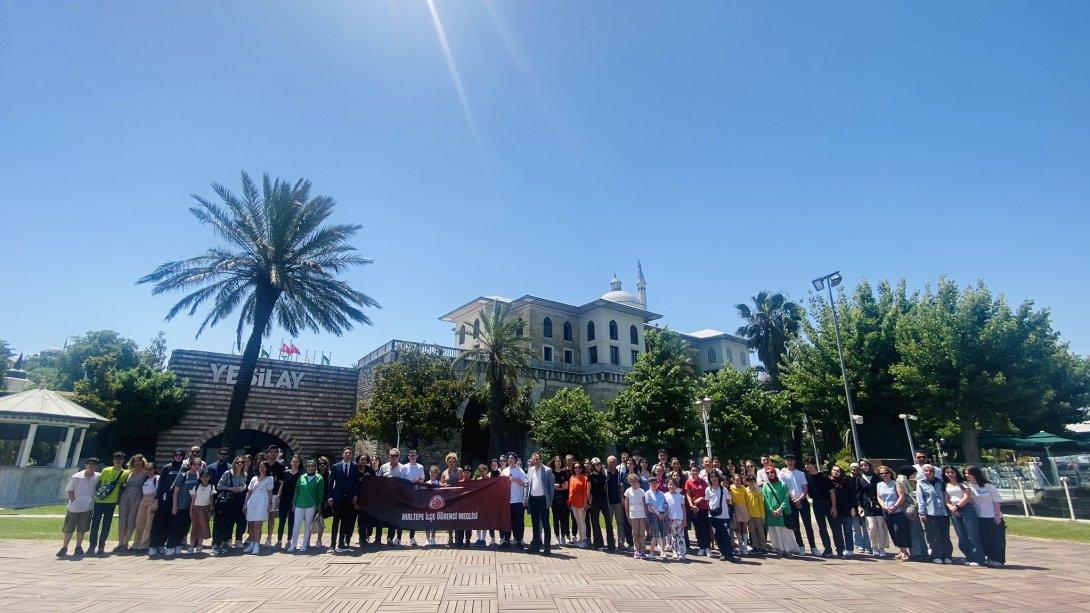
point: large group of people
(654, 510)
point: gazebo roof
(34, 405)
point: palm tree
(503, 353)
(770, 325)
(280, 260)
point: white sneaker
(972, 564)
(848, 554)
(412, 542)
(708, 553)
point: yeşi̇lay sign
(263, 377)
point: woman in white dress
(258, 495)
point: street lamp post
(400, 425)
(938, 449)
(905, 417)
(704, 405)
(830, 281)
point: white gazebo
(46, 408)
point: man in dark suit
(343, 497)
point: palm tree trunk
(266, 300)
(496, 425)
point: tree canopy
(745, 420)
(569, 423)
(422, 390)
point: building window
(614, 355)
(567, 356)
(592, 352)
(633, 335)
(635, 356)
(711, 355)
(728, 356)
(590, 330)
(462, 335)
(476, 328)
(521, 327)
(547, 328)
(612, 330)
(567, 330)
(547, 353)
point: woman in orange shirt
(579, 501)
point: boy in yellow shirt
(755, 504)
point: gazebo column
(62, 449)
(28, 443)
(79, 448)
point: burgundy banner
(470, 505)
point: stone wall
(305, 405)
(33, 486)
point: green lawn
(46, 510)
(1046, 529)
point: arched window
(633, 335)
(476, 328)
(612, 330)
(462, 335)
(521, 328)
(567, 330)
(728, 357)
(547, 328)
(590, 330)
(711, 355)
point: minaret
(641, 285)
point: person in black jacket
(867, 496)
(343, 496)
(164, 492)
(363, 523)
(599, 504)
(847, 498)
(823, 502)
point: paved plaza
(1041, 576)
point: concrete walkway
(1041, 576)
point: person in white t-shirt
(413, 472)
(675, 503)
(762, 475)
(635, 506)
(518, 481)
(798, 487)
(81, 499)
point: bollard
(1067, 492)
(1025, 504)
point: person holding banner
(453, 474)
(306, 499)
(392, 470)
(518, 482)
(538, 493)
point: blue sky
(730, 146)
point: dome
(619, 295)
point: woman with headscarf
(777, 507)
(870, 510)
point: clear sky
(732, 146)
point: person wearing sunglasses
(228, 506)
(892, 498)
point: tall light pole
(704, 405)
(905, 417)
(830, 281)
(813, 436)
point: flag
(292, 349)
(285, 349)
(325, 359)
(264, 353)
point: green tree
(968, 358)
(771, 324)
(422, 390)
(5, 355)
(569, 423)
(500, 356)
(281, 266)
(155, 354)
(656, 409)
(121, 353)
(812, 377)
(745, 419)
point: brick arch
(260, 426)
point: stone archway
(255, 426)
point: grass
(46, 510)
(1048, 529)
(46, 528)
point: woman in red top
(698, 512)
(579, 502)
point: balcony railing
(453, 353)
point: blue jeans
(859, 532)
(101, 517)
(967, 527)
(846, 524)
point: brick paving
(1040, 576)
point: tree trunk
(968, 441)
(266, 300)
(496, 429)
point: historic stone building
(300, 407)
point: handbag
(717, 510)
(108, 489)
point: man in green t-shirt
(109, 490)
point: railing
(453, 353)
